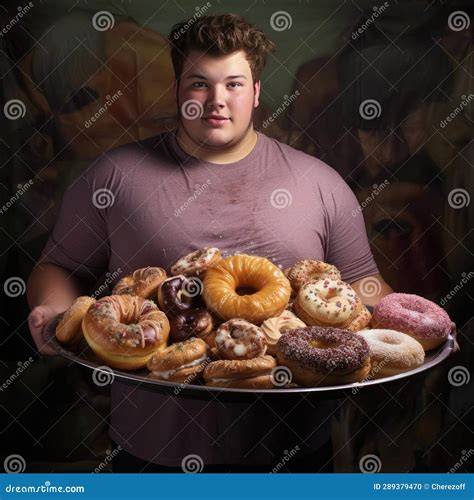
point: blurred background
(381, 92)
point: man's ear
(256, 99)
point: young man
(215, 182)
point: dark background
(414, 59)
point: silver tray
(83, 355)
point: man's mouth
(215, 120)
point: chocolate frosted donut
(324, 356)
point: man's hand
(371, 289)
(38, 318)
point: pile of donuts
(235, 321)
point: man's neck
(220, 156)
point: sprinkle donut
(239, 339)
(392, 352)
(196, 263)
(361, 321)
(143, 282)
(306, 270)
(327, 302)
(324, 356)
(416, 316)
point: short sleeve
(348, 246)
(79, 241)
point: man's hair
(218, 36)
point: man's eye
(235, 84)
(198, 84)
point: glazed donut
(272, 328)
(306, 270)
(182, 362)
(179, 294)
(143, 282)
(68, 330)
(392, 352)
(320, 356)
(125, 330)
(362, 320)
(247, 287)
(196, 263)
(239, 339)
(416, 316)
(193, 323)
(255, 373)
(327, 302)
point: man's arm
(371, 289)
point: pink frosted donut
(416, 316)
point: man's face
(216, 98)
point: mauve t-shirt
(149, 203)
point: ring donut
(193, 323)
(327, 302)
(196, 263)
(361, 321)
(239, 339)
(143, 282)
(416, 316)
(125, 330)
(320, 356)
(180, 294)
(247, 287)
(306, 270)
(68, 330)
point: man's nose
(215, 97)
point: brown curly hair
(219, 35)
